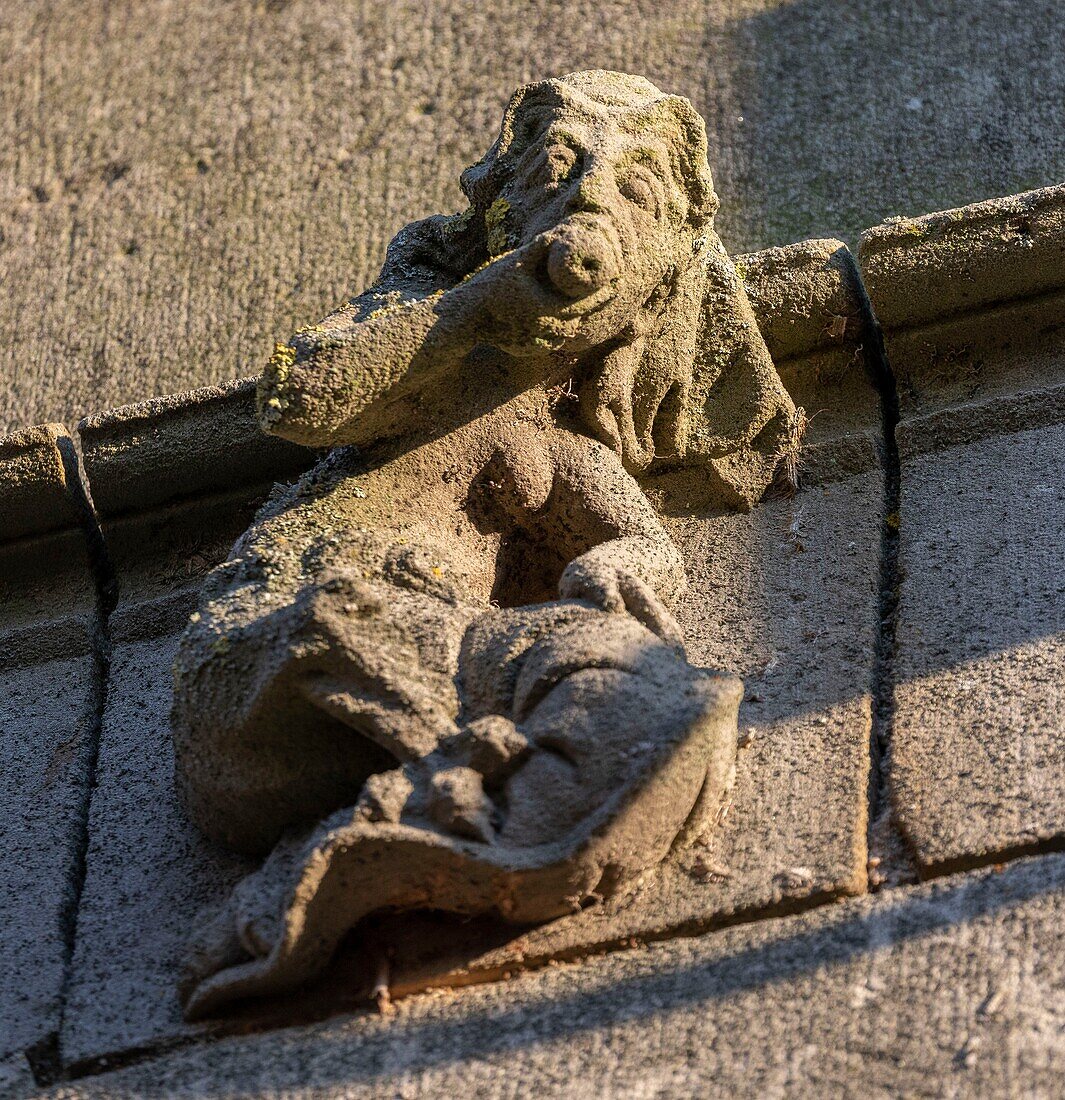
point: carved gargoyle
(440, 670)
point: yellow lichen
(494, 218)
(281, 361)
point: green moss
(494, 219)
(457, 222)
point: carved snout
(582, 258)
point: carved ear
(688, 151)
(524, 120)
(739, 410)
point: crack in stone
(45, 1057)
(891, 862)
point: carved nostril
(579, 265)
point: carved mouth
(577, 266)
(559, 306)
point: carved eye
(563, 161)
(640, 191)
(551, 166)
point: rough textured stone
(972, 302)
(34, 495)
(171, 177)
(978, 752)
(949, 990)
(48, 696)
(926, 270)
(183, 445)
(811, 308)
(484, 559)
(16, 1077)
(795, 834)
(147, 870)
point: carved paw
(384, 796)
(618, 591)
(458, 804)
(232, 954)
(215, 946)
(492, 745)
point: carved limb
(284, 922)
(335, 381)
(609, 577)
(631, 563)
(344, 873)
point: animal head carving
(602, 181)
(587, 253)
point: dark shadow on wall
(335, 1055)
(855, 112)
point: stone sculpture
(440, 670)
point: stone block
(947, 989)
(175, 481)
(149, 871)
(812, 310)
(49, 694)
(978, 752)
(16, 1077)
(183, 445)
(971, 301)
(973, 307)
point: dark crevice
(45, 1058)
(964, 864)
(44, 1061)
(890, 860)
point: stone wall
(898, 624)
(182, 182)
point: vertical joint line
(46, 1060)
(883, 710)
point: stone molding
(972, 306)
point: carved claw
(618, 591)
(243, 950)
